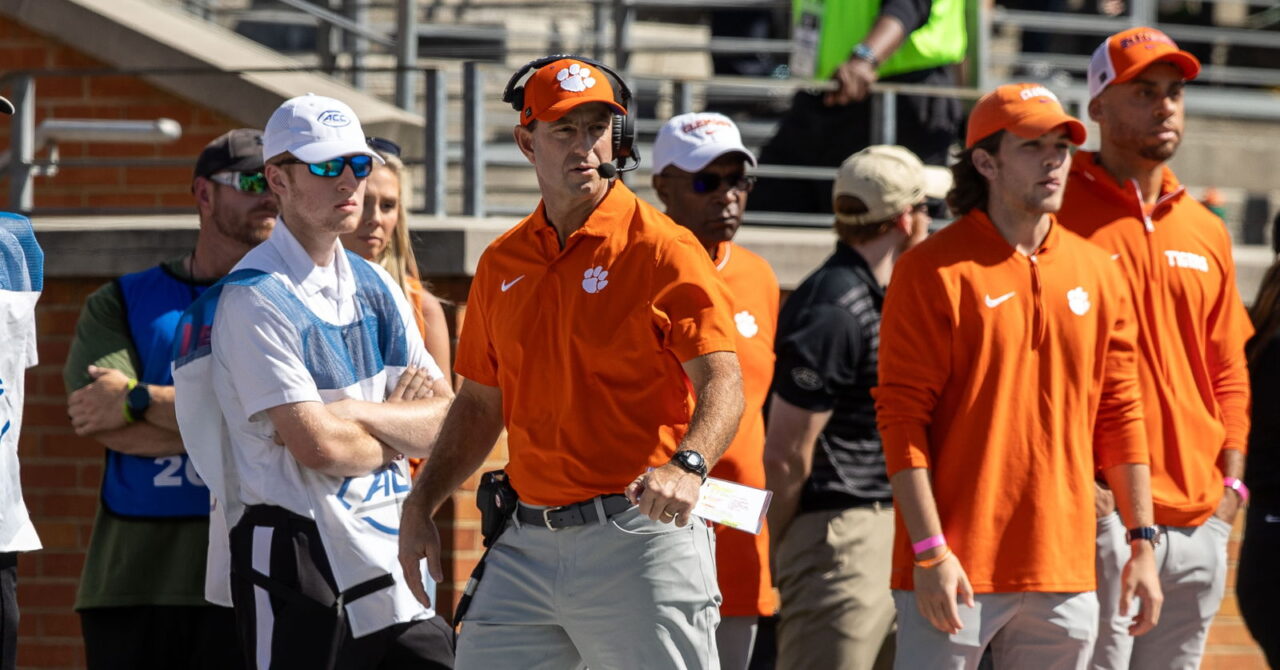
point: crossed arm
(351, 437)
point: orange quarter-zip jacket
(1009, 377)
(1192, 327)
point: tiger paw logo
(575, 78)
(1078, 300)
(594, 280)
(746, 323)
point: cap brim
(937, 182)
(1184, 61)
(562, 107)
(6, 107)
(1039, 124)
(704, 155)
(318, 152)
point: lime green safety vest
(841, 24)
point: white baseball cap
(314, 129)
(691, 141)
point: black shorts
(298, 622)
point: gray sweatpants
(1042, 631)
(1192, 563)
(625, 593)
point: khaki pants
(626, 593)
(1031, 630)
(833, 575)
(1192, 562)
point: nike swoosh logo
(1115, 257)
(995, 302)
(508, 284)
(1271, 518)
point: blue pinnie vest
(140, 486)
(336, 356)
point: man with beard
(1175, 256)
(141, 597)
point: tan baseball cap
(887, 179)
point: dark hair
(1275, 233)
(857, 233)
(970, 189)
(383, 145)
(1265, 312)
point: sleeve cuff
(1127, 446)
(906, 446)
(691, 350)
(813, 401)
(486, 377)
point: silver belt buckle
(546, 517)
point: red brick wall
(60, 477)
(106, 97)
(61, 474)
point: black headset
(624, 126)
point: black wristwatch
(138, 401)
(864, 52)
(1148, 533)
(692, 461)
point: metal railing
(22, 165)
(612, 21)
(473, 152)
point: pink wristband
(1237, 486)
(928, 543)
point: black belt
(573, 514)
(818, 501)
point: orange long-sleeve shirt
(1009, 376)
(1192, 327)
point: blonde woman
(383, 237)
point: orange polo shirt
(1009, 376)
(1192, 327)
(742, 559)
(586, 344)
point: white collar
(334, 280)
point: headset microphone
(607, 170)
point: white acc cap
(314, 129)
(691, 141)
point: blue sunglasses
(361, 166)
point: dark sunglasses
(383, 145)
(245, 182)
(710, 182)
(361, 166)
